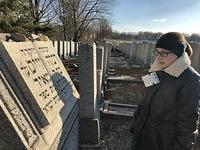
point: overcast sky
(157, 16)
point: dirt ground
(115, 133)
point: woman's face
(164, 57)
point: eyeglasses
(162, 54)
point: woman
(167, 117)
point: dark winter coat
(167, 117)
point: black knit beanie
(172, 41)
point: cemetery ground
(115, 133)
(121, 88)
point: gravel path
(115, 133)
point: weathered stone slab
(26, 62)
(21, 133)
(100, 57)
(9, 139)
(60, 77)
(105, 62)
(65, 55)
(61, 49)
(89, 125)
(100, 65)
(87, 80)
(72, 49)
(76, 49)
(55, 44)
(19, 95)
(23, 61)
(68, 48)
(68, 136)
(90, 131)
(13, 120)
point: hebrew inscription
(57, 71)
(8, 104)
(37, 98)
(23, 61)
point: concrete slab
(89, 131)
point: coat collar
(176, 68)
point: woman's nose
(159, 57)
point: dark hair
(174, 42)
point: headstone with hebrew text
(38, 100)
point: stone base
(89, 131)
(90, 146)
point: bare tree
(103, 28)
(42, 12)
(77, 15)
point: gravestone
(17, 131)
(25, 65)
(55, 44)
(72, 49)
(100, 65)
(39, 88)
(61, 49)
(76, 49)
(88, 80)
(60, 77)
(89, 123)
(65, 55)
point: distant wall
(142, 53)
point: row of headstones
(142, 53)
(38, 101)
(39, 108)
(93, 66)
(66, 49)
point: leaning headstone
(58, 73)
(41, 79)
(23, 61)
(17, 131)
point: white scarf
(176, 68)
